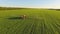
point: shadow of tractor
(19, 17)
(15, 18)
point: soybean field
(38, 21)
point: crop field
(38, 21)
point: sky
(31, 3)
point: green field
(38, 21)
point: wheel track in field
(45, 22)
(34, 27)
(53, 24)
(50, 24)
(42, 26)
(22, 28)
(26, 29)
(14, 27)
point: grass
(39, 21)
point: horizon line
(30, 7)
